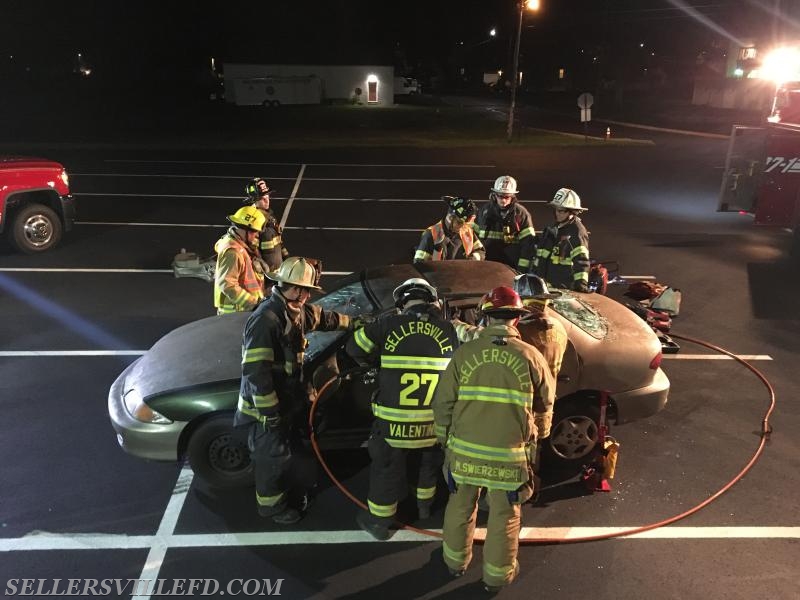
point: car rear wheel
(573, 440)
(218, 456)
(35, 229)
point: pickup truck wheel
(35, 228)
(218, 456)
(573, 440)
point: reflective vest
(237, 287)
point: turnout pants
(502, 533)
(279, 461)
(388, 474)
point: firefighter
(543, 331)
(562, 258)
(454, 237)
(412, 347)
(238, 286)
(506, 227)
(273, 396)
(270, 243)
(492, 404)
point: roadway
(75, 506)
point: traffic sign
(585, 100)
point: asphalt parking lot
(75, 506)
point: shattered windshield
(581, 314)
(350, 300)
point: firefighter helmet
(463, 208)
(528, 285)
(567, 199)
(506, 185)
(415, 288)
(502, 302)
(298, 271)
(248, 217)
(256, 188)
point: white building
(248, 85)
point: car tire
(573, 441)
(218, 455)
(35, 228)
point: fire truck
(762, 167)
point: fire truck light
(782, 65)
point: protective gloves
(580, 286)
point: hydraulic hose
(763, 438)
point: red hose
(765, 431)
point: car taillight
(656, 362)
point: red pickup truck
(35, 204)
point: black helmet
(463, 208)
(256, 188)
(530, 286)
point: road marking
(72, 352)
(287, 164)
(303, 198)
(161, 542)
(368, 179)
(168, 196)
(296, 187)
(716, 356)
(64, 270)
(89, 541)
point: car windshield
(581, 314)
(350, 300)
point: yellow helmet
(248, 217)
(296, 270)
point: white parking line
(716, 356)
(287, 164)
(161, 542)
(88, 541)
(64, 270)
(292, 195)
(72, 352)
(367, 179)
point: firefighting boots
(375, 526)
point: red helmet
(502, 302)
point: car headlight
(65, 177)
(140, 411)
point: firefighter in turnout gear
(412, 347)
(270, 242)
(543, 331)
(454, 237)
(562, 258)
(238, 285)
(506, 227)
(491, 405)
(273, 394)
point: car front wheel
(574, 435)
(218, 455)
(36, 228)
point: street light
(532, 5)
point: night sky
(130, 42)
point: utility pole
(515, 76)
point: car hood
(27, 162)
(198, 353)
